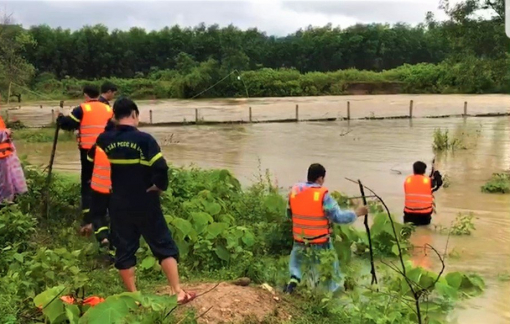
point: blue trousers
(300, 256)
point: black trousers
(86, 176)
(87, 168)
(126, 230)
(418, 219)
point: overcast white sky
(275, 17)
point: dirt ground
(228, 303)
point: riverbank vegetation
(223, 232)
(463, 54)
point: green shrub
(498, 183)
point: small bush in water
(498, 183)
(462, 225)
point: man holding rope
(419, 198)
(313, 212)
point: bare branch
(416, 294)
(175, 307)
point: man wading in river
(419, 199)
(139, 173)
(313, 212)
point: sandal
(188, 297)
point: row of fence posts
(250, 115)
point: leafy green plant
(119, 308)
(462, 225)
(42, 135)
(442, 141)
(498, 183)
(223, 231)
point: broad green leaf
(216, 229)
(148, 262)
(50, 275)
(446, 290)
(46, 296)
(394, 249)
(202, 218)
(476, 281)
(159, 303)
(49, 300)
(113, 310)
(213, 208)
(248, 238)
(414, 274)
(72, 313)
(182, 225)
(183, 247)
(222, 253)
(380, 221)
(18, 257)
(454, 279)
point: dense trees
(466, 53)
(93, 52)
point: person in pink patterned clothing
(12, 179)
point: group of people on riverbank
(123, 172)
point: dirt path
(228, 303)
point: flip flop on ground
(189, 296)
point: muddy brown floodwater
(370, 151)
(264, 109)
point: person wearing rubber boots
(139, 173)
(313, 212)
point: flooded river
(264, 109)
(369, 151)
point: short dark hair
(108, 86)
(419, 167)
(315, 171)
(91, 90)
(123, 107)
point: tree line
(205, 54)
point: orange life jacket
(91, 301)
(6, 148)
(309, 223)
(95, 117)
(418, 193)
(101, 174)
(2, 123)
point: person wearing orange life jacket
(100, 185)
(313, 212)
(419, 199)
(90, 118)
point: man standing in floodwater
(419, 199)
(313, 212)
(90, 119)
(139, 173)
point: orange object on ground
(92, 301)
(308, 219)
